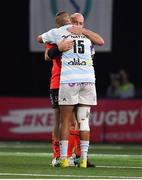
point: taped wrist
(54, 52)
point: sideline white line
(27, 154)
(22, 145)
(67, 175)
(40, 154)
(121, 167)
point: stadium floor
(30, 160)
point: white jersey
(77, 64)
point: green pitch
(31, 160)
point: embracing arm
(39, 39)
(56, 51)
(52, 53)
(47, 37)
(93, 36)
(46, 57)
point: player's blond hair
(62, 18)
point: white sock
(63, 149)
(84, 145)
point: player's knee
(84, 125)
(83, 114)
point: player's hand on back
(75, 30)
(65, 45)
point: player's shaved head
(62, 18)
(77, 19)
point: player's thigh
(66, 113)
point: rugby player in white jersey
(77, 84)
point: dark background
(26, 74)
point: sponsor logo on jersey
(81, 84)
(64, 36)
(77, 62)
(78, 36)
(73, 36)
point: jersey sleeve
(49, 37)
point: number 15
(78, 46)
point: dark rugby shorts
(54, 98)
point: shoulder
(65, 27)
(50, 31)
(53, 31)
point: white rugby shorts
(77, 93)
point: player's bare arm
(46, 57)
(65, 45)
(93, 36)
(39, 39)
